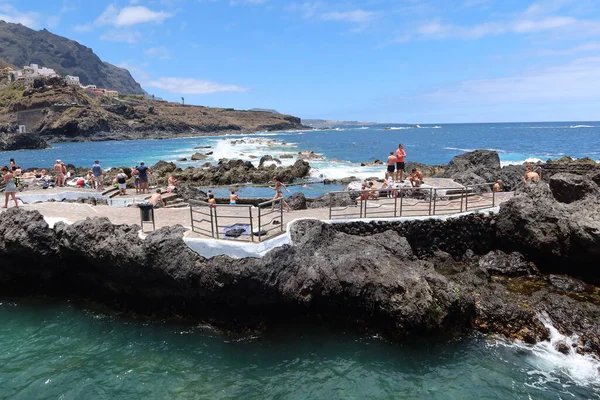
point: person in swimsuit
(136, 179)
(498, 186)
(211, 200)
(233, 197)
(391, 163)
(58, 173)
(11, 188)
(400, 156)
(416, 178)
(279, 193)
(530, 175)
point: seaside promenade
(384, 208)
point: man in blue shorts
(144, 171)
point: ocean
(67, 350)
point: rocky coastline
(498, 274)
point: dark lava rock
(345, 199)
(499, 263)
(199, 156)
(297, 201)
(481, 163)
(567, 284)
(562, 347)
(558, 237)
(568, 188)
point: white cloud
(121, 36)
(9, 13)
(135, 68)
(139, 14)
(159, 52)
(192, 86)
(356, 16)
(437, 30)
(580, 48)
(128, 16)
(577, 80)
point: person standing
(400, 157)
(233, 197)
(122, 182)
(58, 173)
(391, 163)
(98, 172)
(279, 193)
(11, 188)
(144, 171)
(136, 179)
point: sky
(412, 61)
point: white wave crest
(581, 126)
(530, 160)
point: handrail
(408, 200)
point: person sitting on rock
(498, 186)
(416, 178)
(156, 200)
(388, 183)
(173, 182)
(531, 176)
(373, 194)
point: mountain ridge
(20, 46)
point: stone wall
(32, 119)
(454, 235)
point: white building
(35, 71)
(90, 87)
(72, 80)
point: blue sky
(415, 61)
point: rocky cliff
(66, 113)
(401, 278)
(21, 46)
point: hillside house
(111, 93)
(72, 80)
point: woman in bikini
(279, 193)
(11, 188)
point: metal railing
(267, 219)
(215, 220)
(410, 201)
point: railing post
(493, 197)
(259, 224)
(216, 223)
(395, 206)
(251, 224)
(212, 226)
(192, 217)
(462, 198)
(331, 195)
(434, 196)
(466, 198)
(401, 202)
(430, 195)
(281, 213)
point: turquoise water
(54, 350)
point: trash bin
(146, 214)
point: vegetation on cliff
(67, 113)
